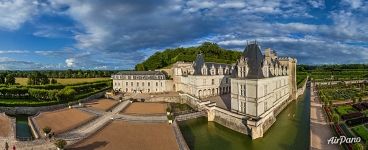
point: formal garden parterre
(51, 94)
(345, 105)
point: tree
(358, 146)
(2, 78)
(53, 81)
(355, 100)
(10, 79)
(60, 143)
(360, 99)
(46, 130)
(336, 118)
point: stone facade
(260, 86)
(141, 82)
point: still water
(290, 131)
(23, 131)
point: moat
(290, 131)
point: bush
(60, 143)
(66, 94)
(46, 130)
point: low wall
(34, 130)
(35, 110)
(230, 120)
(301, 90)
(168, 99)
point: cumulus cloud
(119, 34)
(13, 13)
(70, 62)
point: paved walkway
(319, 129)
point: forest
(211, 51)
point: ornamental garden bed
(356, 121)
(352, 115)
(345, 109)
(360, 107)
(44, 95)
(361, 131)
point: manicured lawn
(342, 110)
(23, 81)
(361, 131)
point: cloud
(13, 51)
(70, 62)
(119, 34)
(13, 13)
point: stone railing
(34, 129)
(179, 137)
(191, 116)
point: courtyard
(61, 120)
(128, 135)
(138, 108)
(4, 125)
(101, 104)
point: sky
(115, 34)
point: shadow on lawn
(91, 146)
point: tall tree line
(64, 73)
(7, 78)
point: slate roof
(255, 61)
(140, 73)
(199, 62)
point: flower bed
(345, 109)
(352, 115)
(356, 121)
(361, 131)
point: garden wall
(35, 110)
(301, 90)
(231, 120)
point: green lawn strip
(346, 130)
(361, 131)
(346, 109)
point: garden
(345, 105)
(342, 92)
(50, 94)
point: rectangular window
(131, 83)
(156, 83)
(265, 106)
(149, 83)
(142, 83)
(161, 84)
(126, 83)
(213, 81)
(137, 83)
(242, 107)
(265, 89)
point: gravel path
(319, 129)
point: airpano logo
(343, 139)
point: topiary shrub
(60, 143)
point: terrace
(138, 108)
(101, 104)
(4, 125)
(63, 120)
(128, 135)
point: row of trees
(7, 78)
(37, 78)
(65, 73)
(212, 53)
